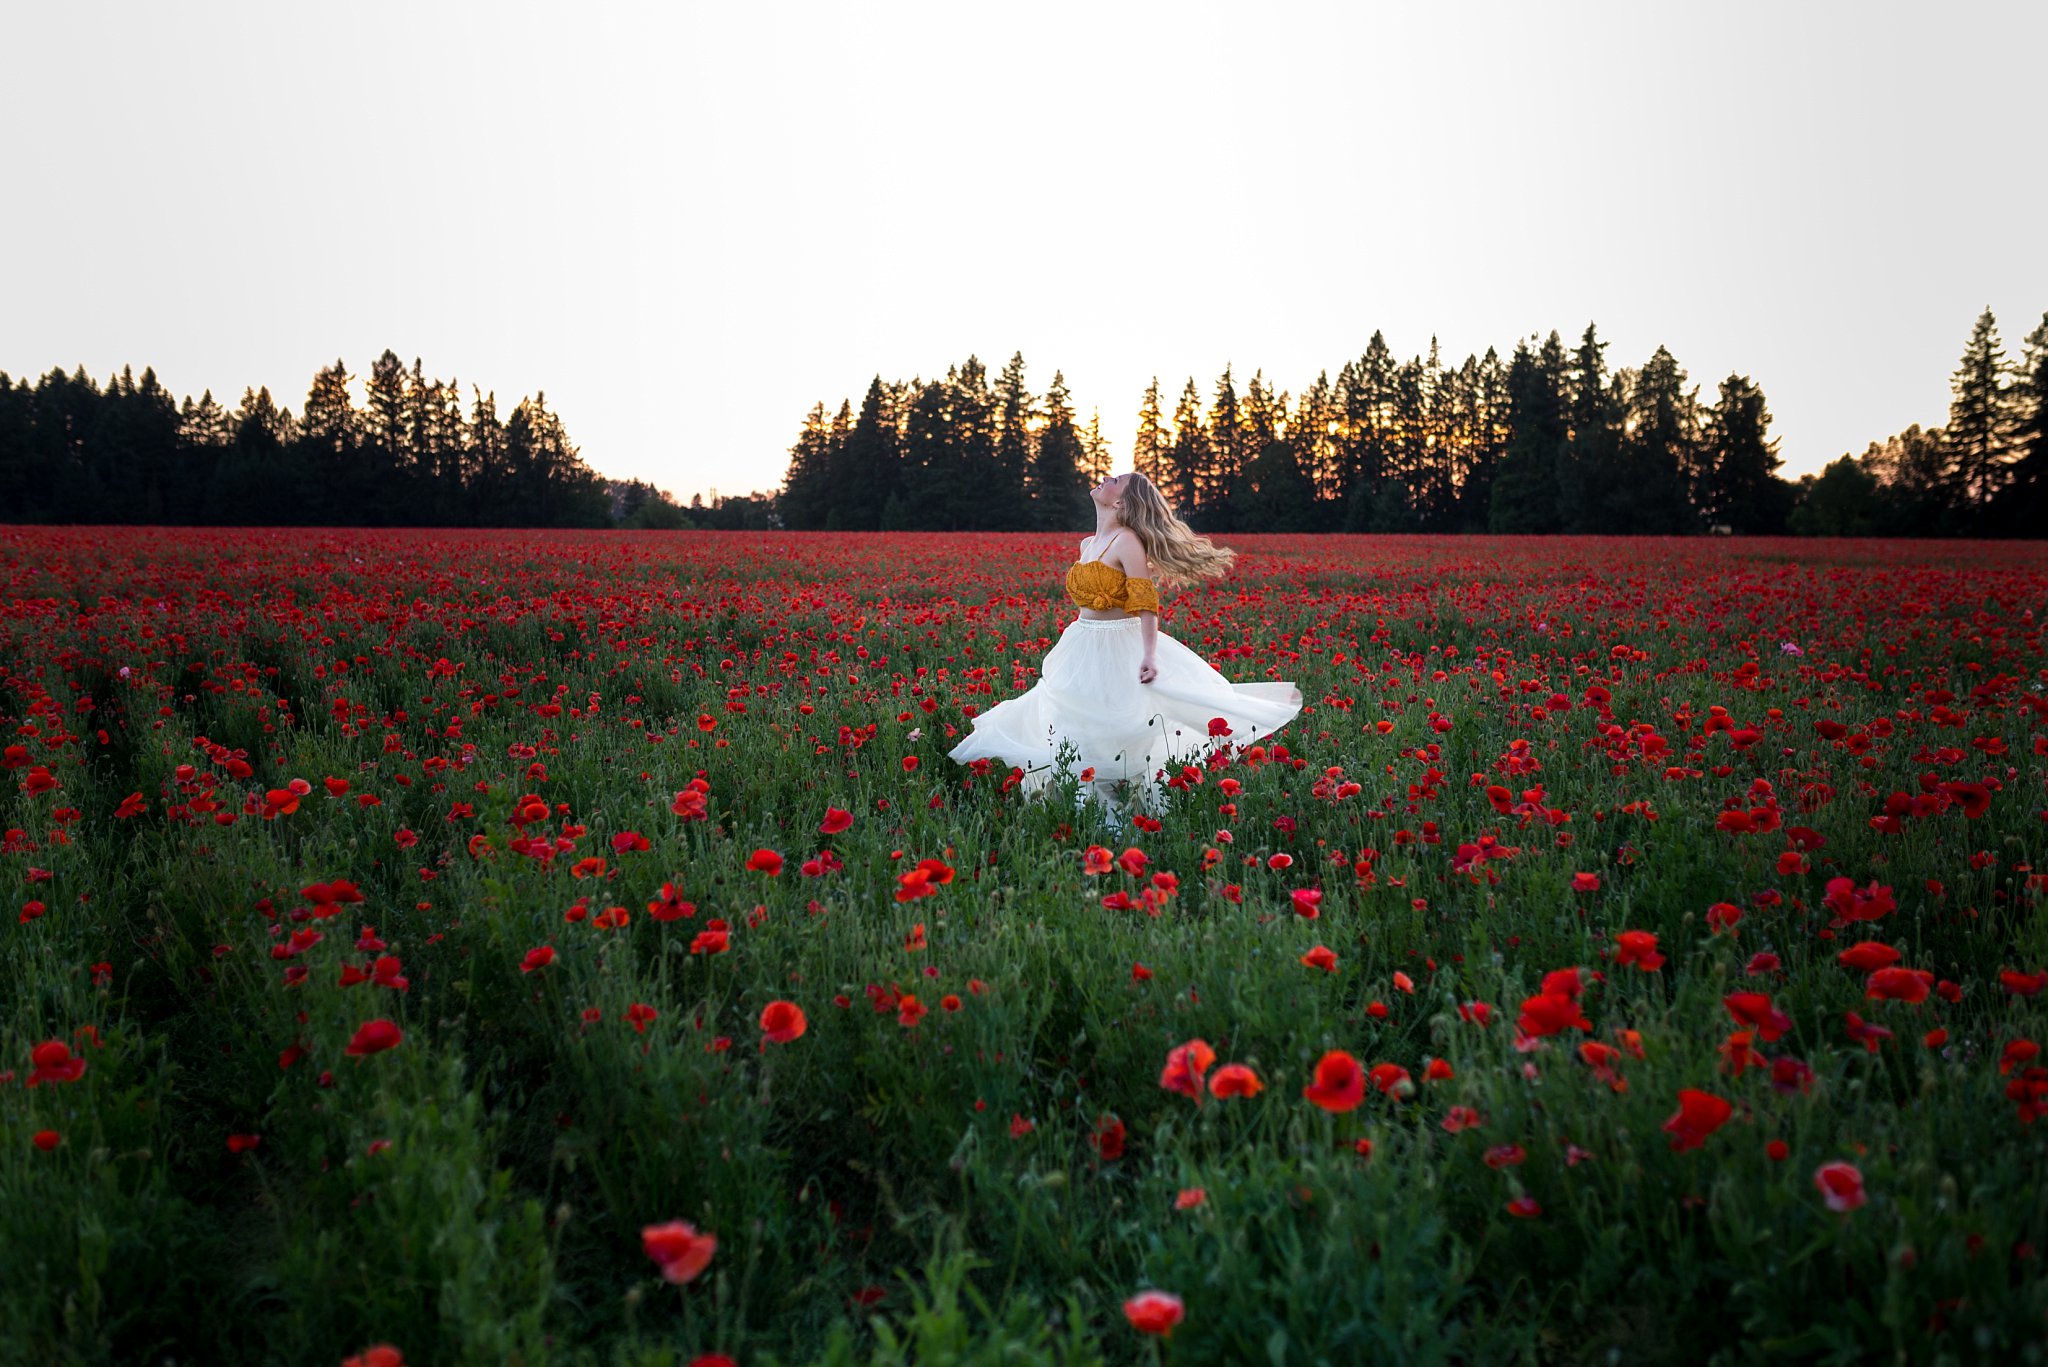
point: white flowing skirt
(1088, 695)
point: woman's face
(1109, 490)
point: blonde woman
(1129, 698)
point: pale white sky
(687, 223)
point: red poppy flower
(765, 861)
(1754, 1009)
(1638, 947)
(1154, 1312)
(1550, 1013)
(1899, 985)
(1235, 1079)
(1185, 1065)
(1339, 1084)
(376, 1355)
(836, 820)
(1699, 1115)
(374, 1037)
(537, 958)
(1108, 1138)
(1323, 957)
(1840, 1184)
(680, 1251)
(782, 1021)
(54, 1062)
(1867, 956)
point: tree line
(412, 455)
(1548, 441)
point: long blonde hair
(1179, 554)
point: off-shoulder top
(1094, 584)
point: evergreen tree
(1095, 460)
(1313, 436)
(18, 494)
(1008, 494)
(490, 487)
(1397, 503)
(804, 486)
(931, 496)
(329, 436)
(1483, 418)
(1187, 459)
(1524, 498)
(1915, 485)
(380, 483)
(1841, 502)
(1739, 487)
(2024, 511)
(1979, 418)
(1659, 453)
(1149, 448)
(1366, 399)
(869, 468)
(1228, 444)
(1590, 462)
(975, 470)
(1059, 494)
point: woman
(1128, 697)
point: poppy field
(509, 947)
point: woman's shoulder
(1128, 555)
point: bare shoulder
(1128, 555)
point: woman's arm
(1138, 565)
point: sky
(688, 223)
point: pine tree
(869, 468)
(1228, 446)
(1739, 487)
(1149, 448)
(1979, 418)
(1059, 494)
(1365, 402)
(1590, 462)
(2025, 508)
(1524, 495)
(974, 471)
(375, 487)
(1660, 447)
(929, 499)
(804, 486)
(1095, 461)
(329, 435)
(1187, 459)
(1312, 434)
(1015, 417)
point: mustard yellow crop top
(1092, 584)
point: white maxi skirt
(1088, 695)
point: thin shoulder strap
(1106, 545)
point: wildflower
(374, 1037)
(678, 1249)
(1185, 1065)
(1339, 1084)
(1699, 1115)
(1154, 1312)
(1235, 1079)
(782, 1021)
(1840, 1184)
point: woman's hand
(1148, 669)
